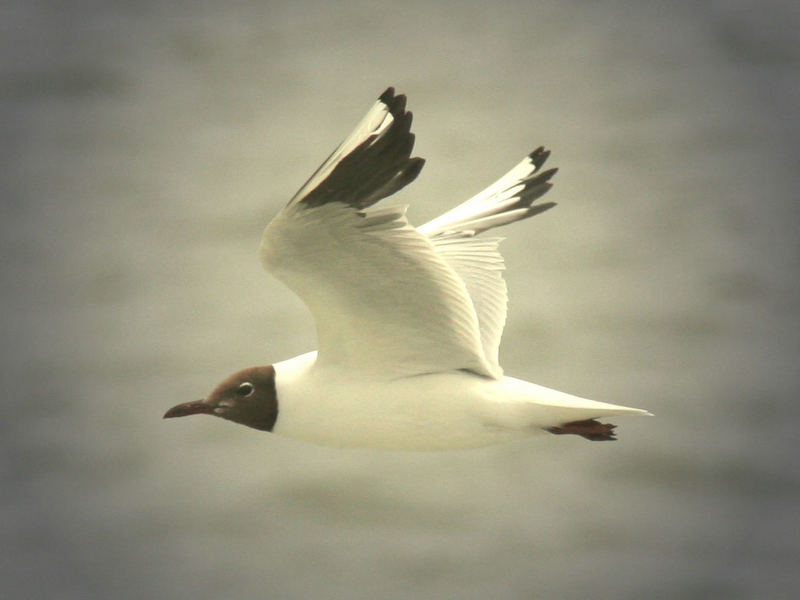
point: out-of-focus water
(145, 146)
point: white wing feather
(382, 298)
(479, 264)
(389, 299)
(477, 260)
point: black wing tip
(540, 208)
(406, 174)
(387, 95)
(378, 167)
(396, 103)
(535, 185)
(539, 156)
(545, 176)
(412, 169)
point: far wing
(479, 264)
(508, 199)
(477, 260)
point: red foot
(589, 429)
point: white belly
(438, 411)
(428, 412)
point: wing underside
(383, 299)
(477, 260)
(388, 298)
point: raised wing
(384, 301)
(477, 260)
(373, 162)
(508, 199)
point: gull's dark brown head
(247, 397)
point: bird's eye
(245, 389)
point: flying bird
(408, 319)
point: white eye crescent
(245, 389)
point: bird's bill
(197, 407)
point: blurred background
(145, 146)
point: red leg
(589, 429)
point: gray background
(144, 147)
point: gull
(408, 319)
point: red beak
(198, 407)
